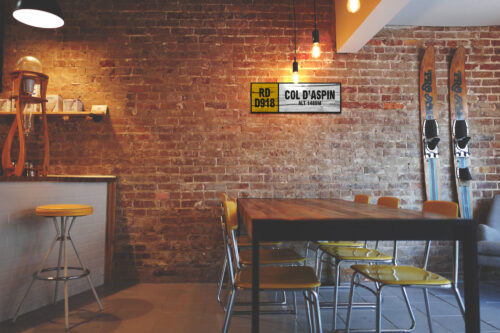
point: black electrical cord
(295, 32)
(315, 28)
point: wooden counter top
(61, 178)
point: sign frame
(311, 84)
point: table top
(317, 210)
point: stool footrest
(84, 273)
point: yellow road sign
(265, 97)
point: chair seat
(340, 243)
(355, 253)
(279, 277)
(64, 210)
(401, 275)
(272, 256)
(245, 241)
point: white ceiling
(449, 13)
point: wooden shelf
(30, 99)
(65, 113)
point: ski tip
(428, 59)
(459, 56)
(429, 51)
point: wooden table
(333, 219)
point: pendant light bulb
(353, 6)
(316, 50)
(295, 71)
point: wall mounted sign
(295, 98)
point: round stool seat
(64, 210)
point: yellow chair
(358, 198)
(391, 202)
(362, 198)
(350, 255)
(406, 276)
(244, 241)
(272, 278)
(244, 258)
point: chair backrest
(391, 202)
(494, 216)
(230, 211)
(230, 219)
(362, 198)
(446, 208)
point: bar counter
(25, 237)
(61, 178)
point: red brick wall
(176, 77)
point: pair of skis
(460, 131)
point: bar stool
(65, 212)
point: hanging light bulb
(353, 6)
(295, 67)
(315, 50)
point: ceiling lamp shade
(39, 13)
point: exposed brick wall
(176, 76)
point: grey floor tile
(150, 308)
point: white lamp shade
(39, 13)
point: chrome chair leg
(428, 309)
(314, 324)
(65, 274)
(315, 300)
(318, 263)
(221, 279)
(33, 279)
(229, 311)
(379, 310)
(294, 295)
(409, 308)
(336, 295)
(313, 311)
(349, 307)
(308, 311)
(307, 251)
(456, 250)
(58, 258)
(88, 277)
(460, 301)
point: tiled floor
(192, 308)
